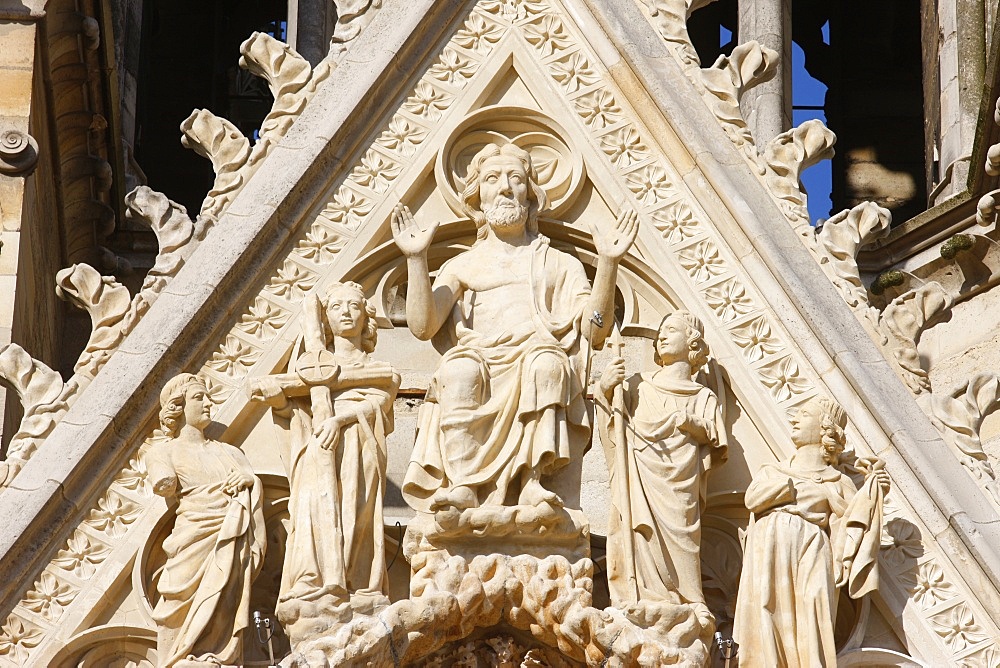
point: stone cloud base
(517, 610)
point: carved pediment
(612, 121)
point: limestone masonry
(498, 333)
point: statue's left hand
(616, 242)
(328, 432)
(267, 390)
(236, 482)
(875, 467)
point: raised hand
(616, 243)
(409, 237)
(873, 466)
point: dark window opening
(809, 102)
(713, 30)
(189, 61)
(871, 64)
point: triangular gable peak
(596, 96)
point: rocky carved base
(454, 592)
(304, 619)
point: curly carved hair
(172, 401)
(537, 199)
(369, 334)
(698, 351)
(832, 425)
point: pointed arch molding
(320, 203)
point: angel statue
(217, 544)
(662, 435)
(811, 532)
(336, 405)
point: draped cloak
(335, 543)
(667, 484)
(794, 561)
(531, 415)
(213, 553)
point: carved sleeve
(769, 489)
(720, 447)
(162, 475)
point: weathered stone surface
(614, 189)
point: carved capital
(18, 153)
(993, 153)
(988, 206)
(22, 10)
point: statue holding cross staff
(662, 432)
(336, 403)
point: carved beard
(506, 213)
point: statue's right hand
(264, 389)
(236, 482)
(409, 237)
(613, 375)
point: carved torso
(496, 300)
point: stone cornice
(16, 10)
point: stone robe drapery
(787, 602)
(524, 421)
(335, 543)
(213, 553)
(667, 482)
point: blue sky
(807, 92)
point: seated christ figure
(505, 409)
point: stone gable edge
(771, 253)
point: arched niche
(109, 646)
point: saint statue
(673, 436)
(811, 532)
(336, 404)
(506, 407)
(217, 544)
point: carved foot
(704, 616)
(533, 494)
(459, 498)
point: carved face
(671, 341)
(807, 425)
(197, 406)
(345, 311)
(503, 191)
